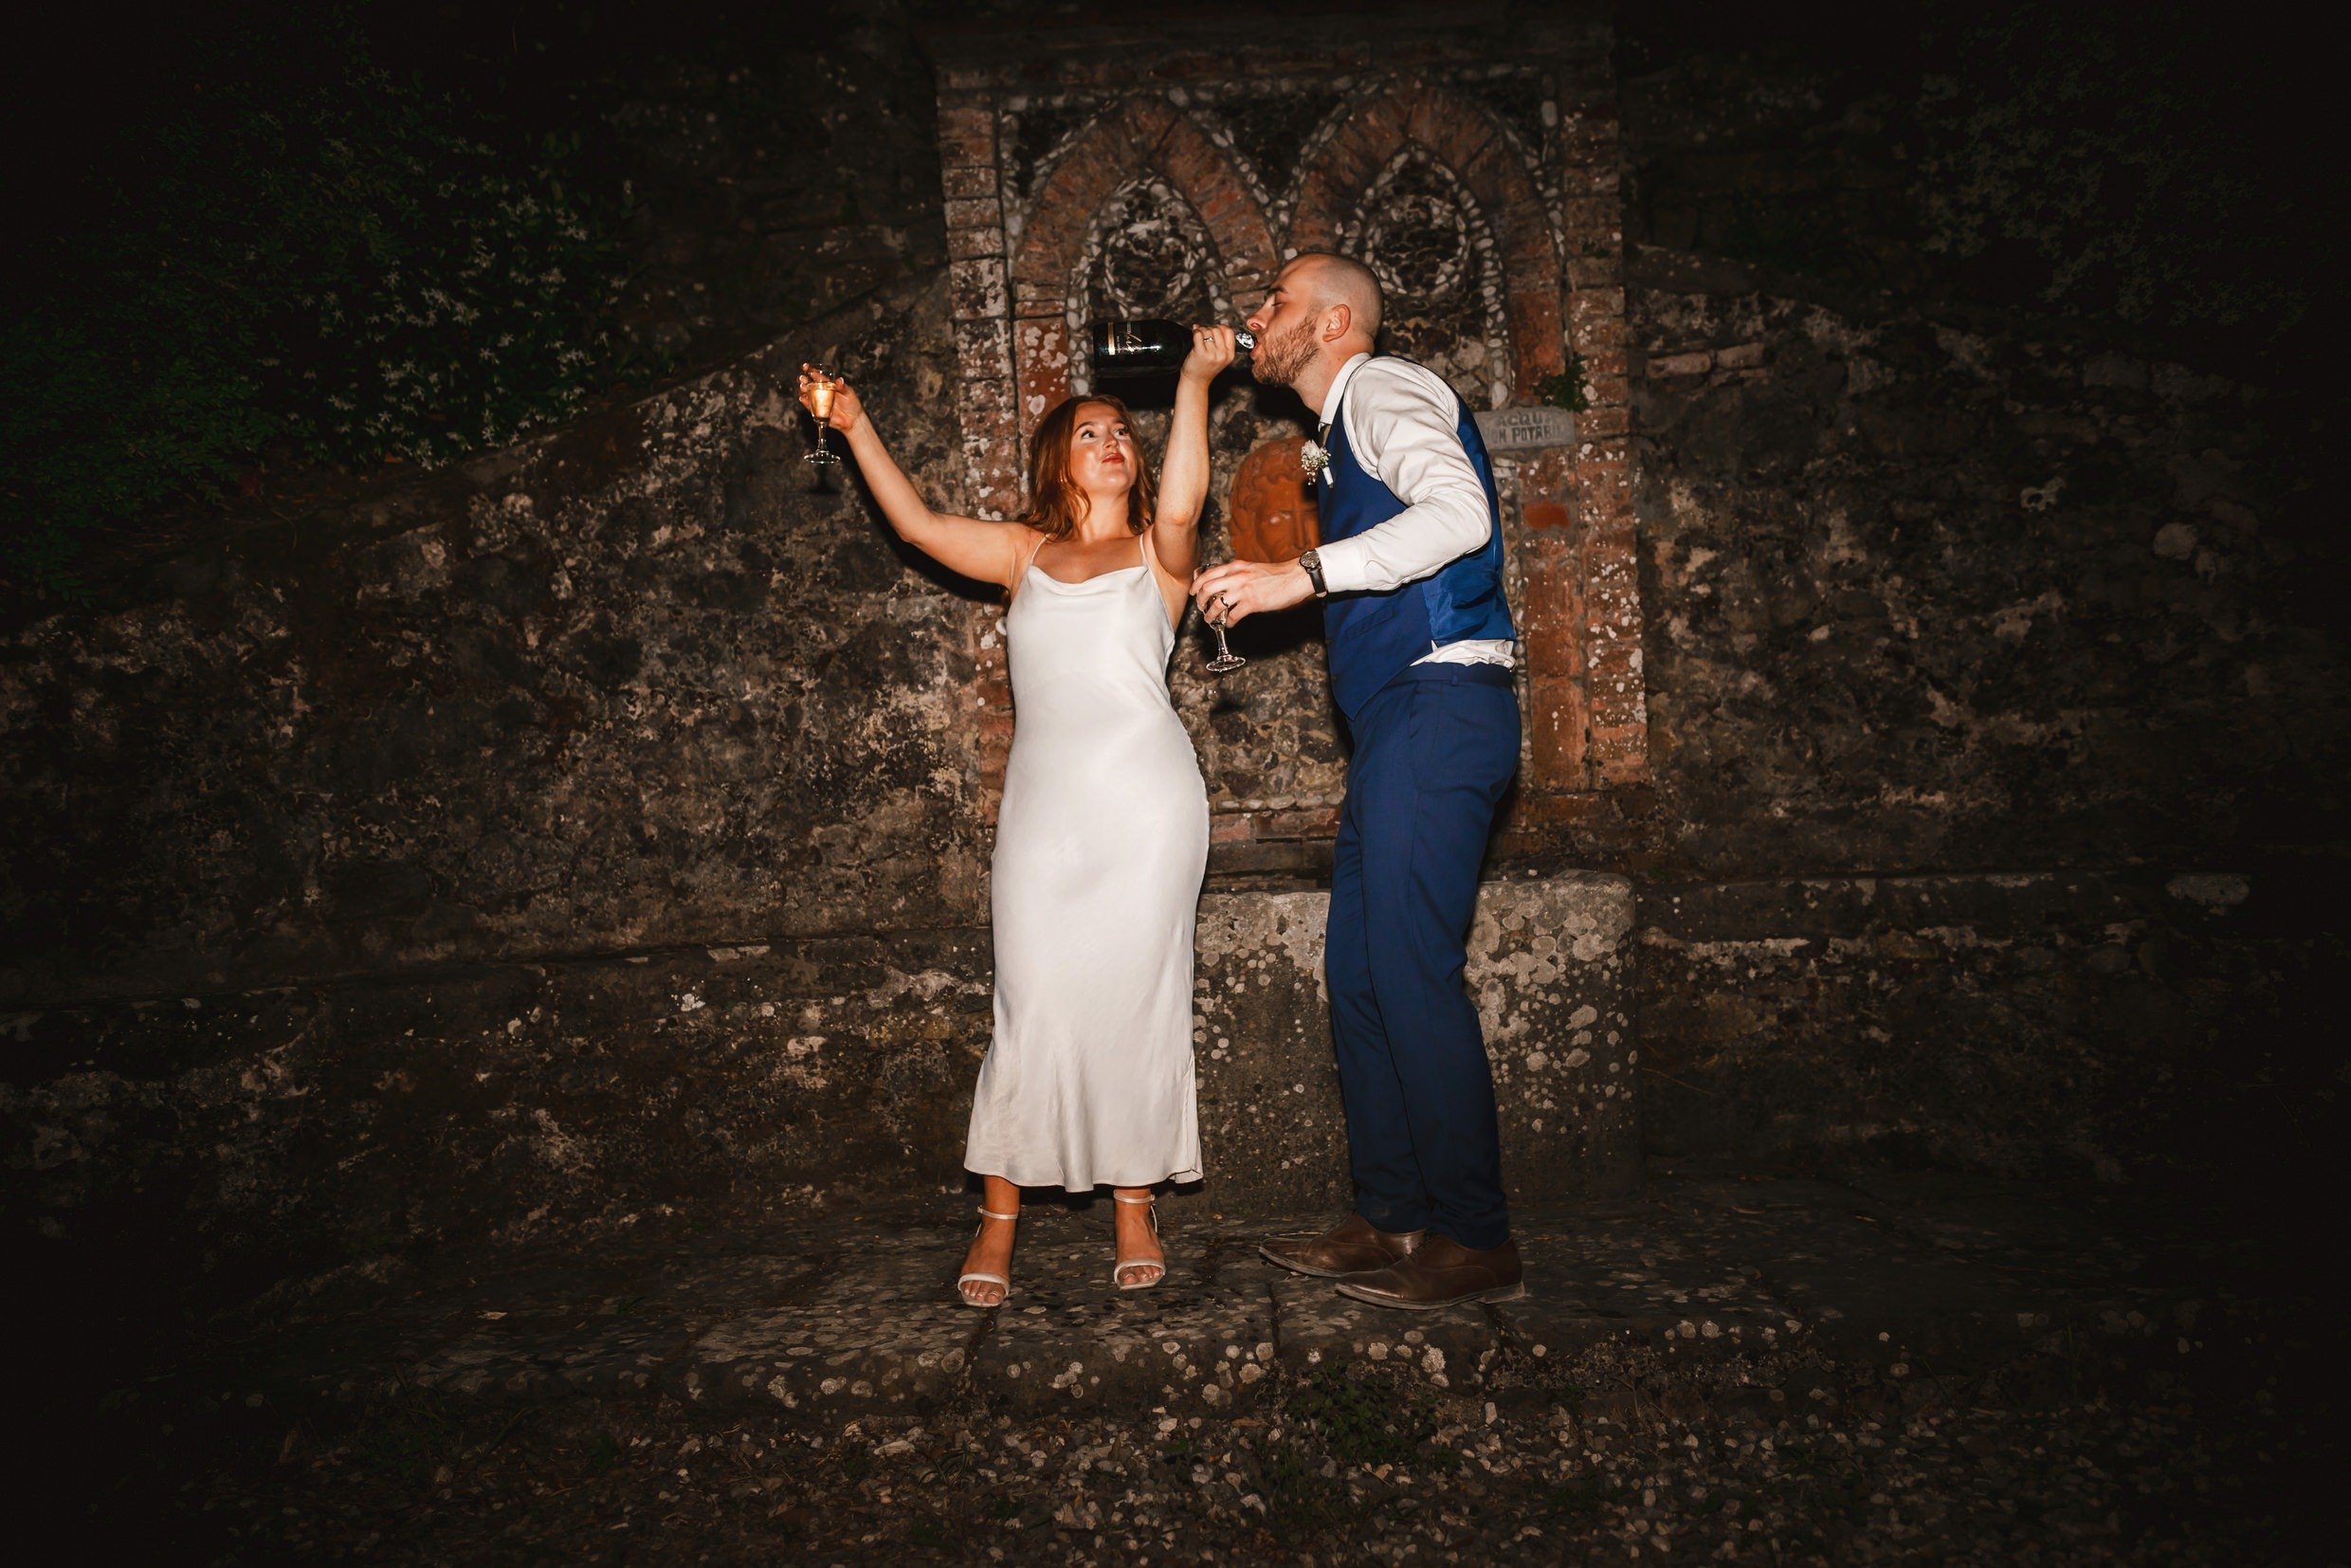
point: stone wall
(1934, 597)
(1997, 715)
(587, 834)
(2119, 1026)
(628, 686)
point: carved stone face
(1273, 511)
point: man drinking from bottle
(1420, 643)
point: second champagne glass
(1225, 661)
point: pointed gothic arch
(1476, 152)
(1141, 136)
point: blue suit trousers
(1435, 750)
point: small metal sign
(1527, 429)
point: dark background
(126, 132)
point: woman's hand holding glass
(832, 403)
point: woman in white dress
(1103, 838)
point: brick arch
(1139, 135)
(1469, 142)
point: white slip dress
(1101, 844)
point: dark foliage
(2140, 170)
(2131, 162)
(282, 248)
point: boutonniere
(1314, 458)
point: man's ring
(1227, 598)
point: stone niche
(1470, 159)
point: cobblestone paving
(857, 1317)
(1731, 1371)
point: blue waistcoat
(1372, 636)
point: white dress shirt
(1402, 426)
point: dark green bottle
(1147, 348)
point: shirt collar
(1339, 388)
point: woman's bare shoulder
(1026, 541)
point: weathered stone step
(850, 1317)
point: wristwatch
(1313, 563)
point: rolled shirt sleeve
(1402, 427)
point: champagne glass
(820, 405)
(1225, 661)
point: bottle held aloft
(1147, 348)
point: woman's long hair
(1055, 506)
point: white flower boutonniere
(1314, 458)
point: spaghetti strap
(1022, 575)
(1153, 571)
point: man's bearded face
(1280, 360)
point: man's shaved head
(1299, 341)
(1337, 279)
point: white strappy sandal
(1120, 1266)
(977, 1276)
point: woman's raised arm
(990, 552)
(1183, 474)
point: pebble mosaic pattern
(1482, 190)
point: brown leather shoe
(1441, 1273)
(1352, 1247)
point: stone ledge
(730, 1085)
(1832, 906)
(1550, 970)
(2040, 1022)
(283, 1125)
